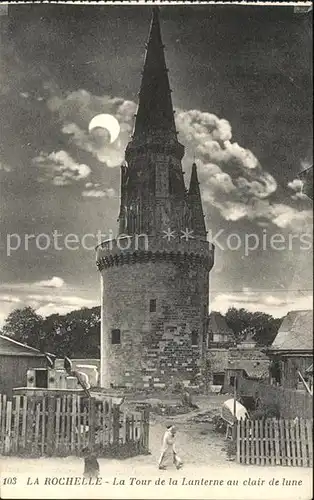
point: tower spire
(155, 112)
(195, 202)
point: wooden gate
(65, 425)
(275, 442)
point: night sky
(242, 90)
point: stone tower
(155, 274)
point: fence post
(116, 424)
(3, 399)
(8, 429)
(127, 429)
(91, 423)
(16, 431)
(50, 425)
(29, 424)
(146, 429)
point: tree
(57, 336)
(24, 325)
(76, 334)
(84, 328)
(264, 325)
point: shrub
(264, 411)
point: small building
(15, 360)
(219, 334)
(219, 338)
(292, 350)
(226, 359)
(246, 360)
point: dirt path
(197, 443)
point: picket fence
(66, 425)
(275, 442)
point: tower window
(152, 305)
(194, 337)
(116, 336)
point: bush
(264, 411)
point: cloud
(281, 215)
(11, 299)
(211, 136)
(297, 186)
(231, 177)
(4, 167)
(76, 111)
(268, 302)
(45, 296)
(54, 282)
(52, 308)
(225, 166)
(60, 168)
(97, 193)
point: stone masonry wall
(156, 347)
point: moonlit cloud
(297, 186)
(60, 168)
(76, 111)
(281, 215)
(231, 177)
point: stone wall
(156, 347)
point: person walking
(168, 450)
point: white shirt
(168, 442)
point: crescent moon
(107, 122)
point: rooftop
(217, 324)
(9, 346)
(295, 332)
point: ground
(204, 455)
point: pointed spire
(155, 111)
(194, 184)
(195, 202)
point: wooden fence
(291, 402)
(62, 426)
(275, 442)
